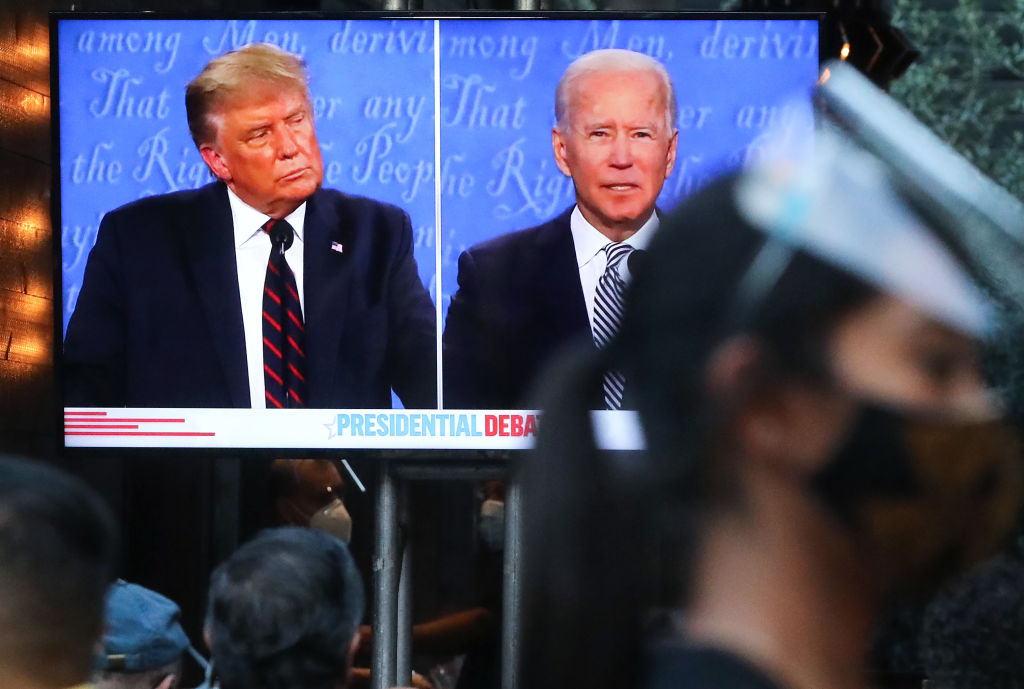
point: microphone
(635, 262)
(282, 233)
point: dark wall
(176, 524)
(27, 411)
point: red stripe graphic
(81, 423)
(273, 375)
(139, 433)
(296, 372)
(272, 321)
(274, 349)
(274, 401)
(296, 345)
(296, 397)
(295, 319)
(271, 294)
(98, 425)
(113, 420)
(291, 291)
(273, 269)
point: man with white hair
(524, 295)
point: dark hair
(973, 633)
(57, 550)
(283, 611)
(586, 593)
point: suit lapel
(558, 291)
(210, 251)
(327, 274)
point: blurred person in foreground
(144, 645)
(284, 613)
(973, 633)
(57, 549)
(819, 439)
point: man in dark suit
(180, 306)
(524, 295)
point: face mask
(492, 524)
(334, 519)
(926, 497)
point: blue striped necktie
(284, 341)
(608, 304)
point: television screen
(439, 209)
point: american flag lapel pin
(336, 246)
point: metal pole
(385, 581)
(423, 470)
(511, 584)
(227, 476)
(404, 631)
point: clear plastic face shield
(926, 490)
(839, 206)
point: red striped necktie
(284, 341)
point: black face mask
(926, 496)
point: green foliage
(968, 84)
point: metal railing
(392, 567)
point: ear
(763, 413)
(670, 159)
(560, 148)
(815, 421)
(98, 647)
(215, 161)
(350, 657)
(797, 427)
(731, 369)
(353, 646)
(166, 683)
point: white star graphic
(332, 428)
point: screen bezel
(825, 48)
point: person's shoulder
(681, 666)
(532, 241)
(356, 207)
(171, 204)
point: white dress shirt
(591, 258)
(252, 253)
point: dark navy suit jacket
(519, 302)
(158, 322)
